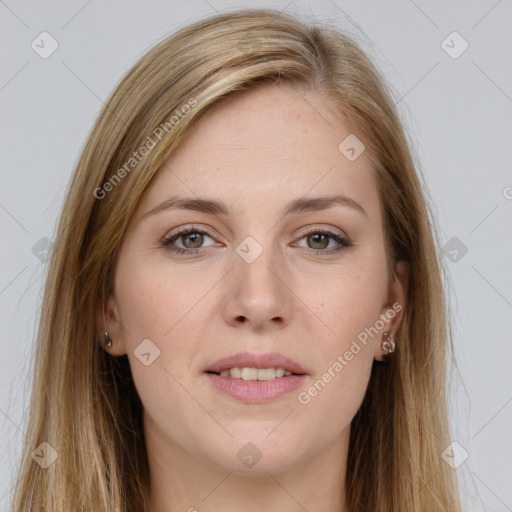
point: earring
(388, 344)
(106, 338)
(108, 341)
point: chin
(245, 455)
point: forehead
(269, 145)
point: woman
(244, 308)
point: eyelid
(320, 227)
(186, 229)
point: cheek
(349, 307)
(335, 396)
(154, 299)
(164, 305)
(153, 307)
(349, 304)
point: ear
(111, 322)
(395, 305)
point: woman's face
(267, 281)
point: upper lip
(247, 360)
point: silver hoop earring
(388, 344)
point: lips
(259, 361)
(255, 378)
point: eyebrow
(215, 207)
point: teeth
(255, 373)
(266, 374)
(249, 373)
(236, 373)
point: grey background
(457, 110)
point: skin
(255, 152)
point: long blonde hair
(84, 403)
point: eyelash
(168, 240)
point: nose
(257, 294)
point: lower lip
(256, 391)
